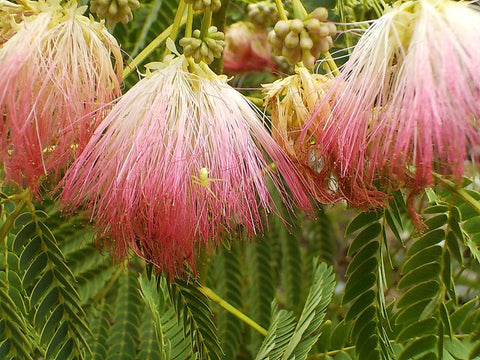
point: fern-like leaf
(54, 302)
(194, 313)
(179, 347)
(320, 240)
(261, 286)
(364, 287)
(278, 336)
(100, 327)
(290, 339)
(124, 333)
(307, 330)
(229, 285)
(15, 342)
(422, 319)
(291, 267)
(154, 299)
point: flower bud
(306, 42)
(291, 40)
(281, 28)
(313, 25)
(320, 14)
(332, 29)
(296, 26)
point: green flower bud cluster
(262, 13)
(114, 10)
(202, 5)
(303, 40)
(204, 48)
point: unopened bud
(274, 40)
(332, 29)
(281, 28)
(320, 47)
(319, 13)
(306, 42)
(291, 40)
(309, 61)
(313, 25)
(113, 8)
(296, 26)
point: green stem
(329, 64)
(234, 311)
(189, 25)
(206, 22)
(330, 353)
(202, 266)
(148, 49)
(177, 21)
(255, 100)
(299, 10)
(461, 193)
(281, 10)
(218, 20)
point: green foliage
(14, 327)
(123, 335)
(287, 338)
(54, 303)
(99, 325)
(195, 315)
(407, 294)
(363, 289)
(320, 240)
(262, 285)
(291, 259)
(229, 285)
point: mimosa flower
(406, 103)
(247, 49)
(56, 77)
(293, 101)
(179, 163)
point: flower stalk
(281, 10)
(140, 58)
(232, 310)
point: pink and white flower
(56, 78)
(178, 164)
(406, 103)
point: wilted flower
(293, 101)
(247, 49)
(9, 12)
(56, 75)
(406, 103)
(178, 164)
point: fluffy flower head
(178, 163)
(56, 75)
(406, 102)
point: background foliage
(395, 293)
